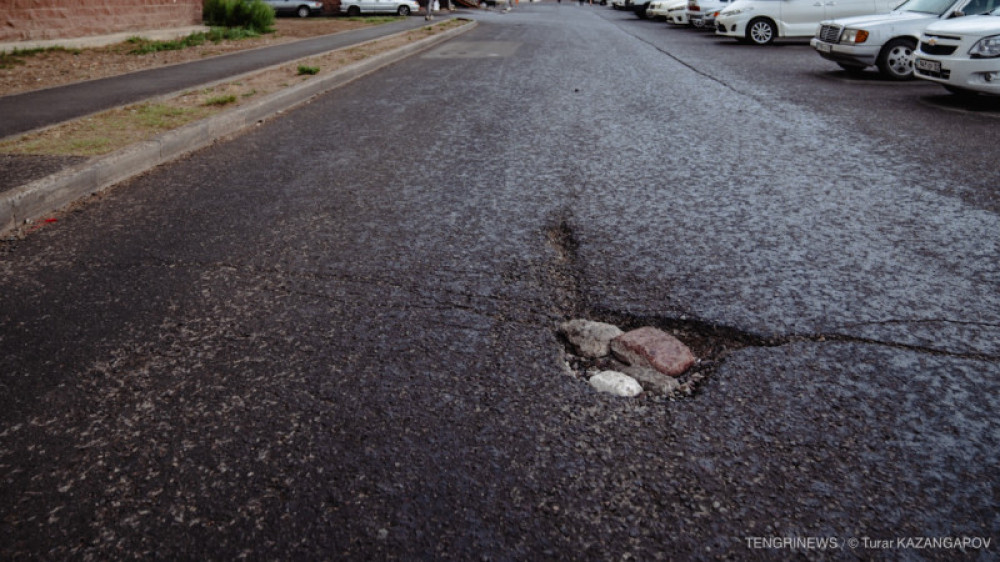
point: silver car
(355, 8)
(300, 8)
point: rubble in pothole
(644, 360)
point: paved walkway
(20, 113)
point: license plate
(824, 47)
(928, 65)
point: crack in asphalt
(711, 342)
(692, 68)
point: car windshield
(936, 7)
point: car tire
(353, 12)
(641, 11)
(761, 31)
(403, 11)
(302, 12)
(895, 60)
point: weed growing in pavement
(309, 70)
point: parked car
(677, 13)
(640, 7)
(963, 54)
(355, 8)
(762, 21)
(887, 41)
(295, 7)
(619, 4)
(658, 9)
(701, 13)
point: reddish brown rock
(653, 348)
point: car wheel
(353, 11)
(761, 31)
(403, 10)
(303, 11)
(641, 11)
(895, 61)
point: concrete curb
(38, 198)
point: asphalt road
(334, 336)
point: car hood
(969, 25)
(880, 19)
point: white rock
(615, 383)
(591, 339)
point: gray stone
(590, 339)
(615, 383)
(652, 380)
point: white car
(701, 13)
(762, 21)
(355, 8)
(963, 54)
(677, 13)
(301, 8)
(658, 9)
(887, 41)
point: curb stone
(40, 197)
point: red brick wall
(22, 20)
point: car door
(800, 17)
(835, 9)
(277, 5)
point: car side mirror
(956, 14)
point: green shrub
(250, 14)
(308, 69)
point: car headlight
(986, 48)
(736, 12)
(854, 36)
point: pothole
(709, 344)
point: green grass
(220, 100)
(310, 70)
(161, 117)
(105, 132)
(143, 46)
(17, 56)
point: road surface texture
(335, 336)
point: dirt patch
(114, 129)
(58, 67)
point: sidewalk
(32, 110)
(31, 187)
